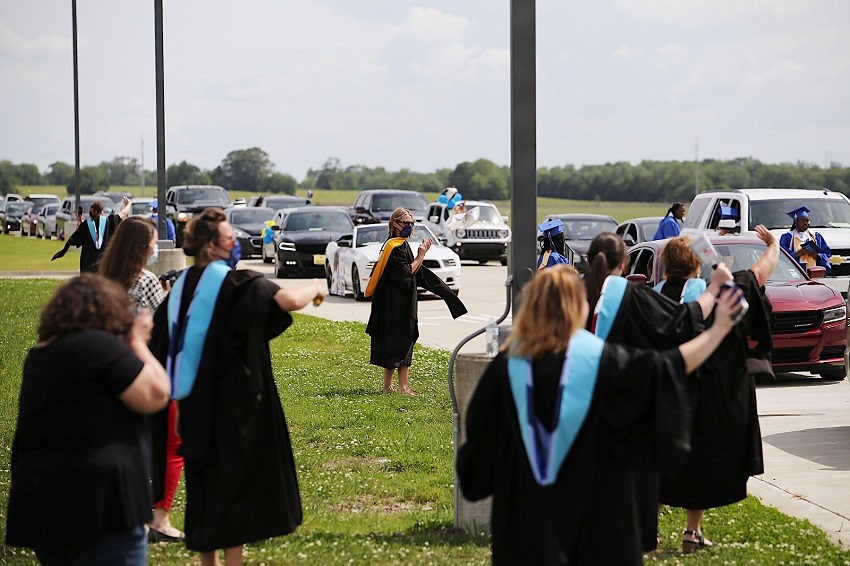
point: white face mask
(153, 256)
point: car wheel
(329, 276)
(278, 268)
(482, 262)
(355, 285)
(833, 374)
(503, 261)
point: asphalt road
(805, 421)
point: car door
(642, 262)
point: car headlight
(503, 233)
(460, 233)
(239, 234)
(184, 216)
(834, 315)
(286, 247)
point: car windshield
(648, 229)
(42, 200)
(16, 207)
(587, 228)
(317, 221)
(742, 256)
(486, 214)
(377, 234)
(140, 208)
(278, 203)
(251, 215)
(825, 212)
(414, 202)
(51, 209)
(36, 208)
(195, 196)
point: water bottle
(492, 336)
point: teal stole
(97, 235)
(186, 340)
(691, 290)
(546, 451)
(608, 305)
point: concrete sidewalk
(805, 426)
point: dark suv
(184, 201)
(379, 204)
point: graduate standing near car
(393, 321)
(807, 247)
(554, 246)
(552, 424)
(669, 225)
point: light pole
(76, 108)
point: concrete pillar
(168, 258)
(472, 517)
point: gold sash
(378, 270)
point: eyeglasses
(406, 223)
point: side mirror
(435, 219)
(360, 210)
(275, 228)
(729, 225)
(637, 278)
(817, 272)
(629, 240)
(505, 219)
(343, 243)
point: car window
(371, 235)
(742, 256)
(317, 221)
(16, 207)
(633, 255)
(648, 229)
(621, 229)
(140, 208)
(644, 263)
(825, 212)
(587, 229)
(695, 212)
(251, 215)
(205, 196)
(278, 203)
(486, 214)
(715, 214)
(632, 231)
(414, 202)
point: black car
(639, 230)
(378, 204)
(277, 202)
(248, 224)
(303, 236)
(11, 215)
(184, 201)
(579, 230)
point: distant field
(619, 210)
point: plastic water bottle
(492, 336)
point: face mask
(153, 256)
(235, 255)
(406, 232)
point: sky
(401, 84)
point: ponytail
(607, 251)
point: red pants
(173, 461)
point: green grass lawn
(376, 471)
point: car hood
(801, 296)
(373, 251)
(312, 237)
(200, 207)
(252, 229)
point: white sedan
(348, 268)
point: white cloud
(628, 52)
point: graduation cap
(154, 205)
(729, 212)
(801, 212)
(552, 227)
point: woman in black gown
(240, 474)
(551, 424)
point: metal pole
(523, 253)
(143, 165)
(696, 165)
(160, 120)
(77, 180)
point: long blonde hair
(554, 306)
(396, 216)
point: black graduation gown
(393, 321)
(649, 320)
(589, 515)
(726, 435)
(241, 484)
(90, 255)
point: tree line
(649, 181)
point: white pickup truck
(830, 216)
(479, 233)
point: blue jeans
(128, 548)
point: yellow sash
(378, 270)
(807, 259)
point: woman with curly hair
(81, 455)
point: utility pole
(77, 181)
(696, 164)
(160, 120)
(143, 164)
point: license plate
(319, 259)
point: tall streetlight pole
(160, 121)
(76, 108)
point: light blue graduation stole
(691, 290)
(186, 341)
(546, 450)
(97, 237)
(608, 305)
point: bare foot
(390, 390)
(408, 391)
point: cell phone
(171, 276)
(745, 306)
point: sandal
(689, 546)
